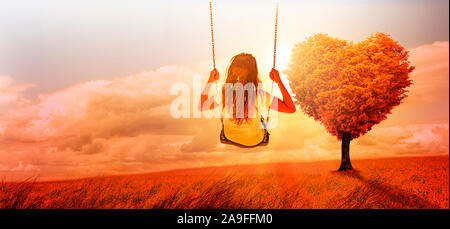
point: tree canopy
(349, 87)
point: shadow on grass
(376, 194)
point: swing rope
(212, 34)
(214, 54)
(274, 56)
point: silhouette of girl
(241, 104)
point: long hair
(242, 69)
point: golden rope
(274, 55)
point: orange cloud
(10, 92)
(428, 98)
(123, 125)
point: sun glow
(282, 57)
(282, 61)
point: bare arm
(286, 105)
(204, 98)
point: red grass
(420, 182)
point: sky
(84, 85)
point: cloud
(415, 139)
(10, 92)
(24, 167)
(428, 97)
(75, 125)
(123, 125)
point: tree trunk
(345, 159)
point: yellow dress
(248, 133)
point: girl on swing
(242, 123)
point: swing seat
(225, 140)
(264, 141)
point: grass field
(412, 182)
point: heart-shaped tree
(349, 87)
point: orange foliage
(421, 182)
(349, 87)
